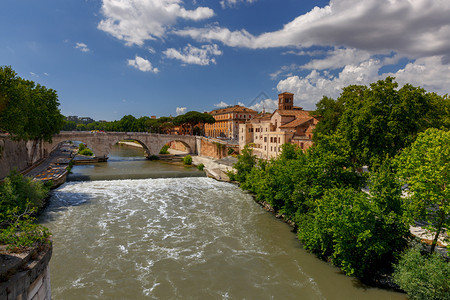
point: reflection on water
(180, 238)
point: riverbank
(55, 167)
(216, 168)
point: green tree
(355, 230)
(69, 125)
(192, 118)
(425, 168)
(423, 277)
(329, 112)
(246, 161)
(381, 120)
(27, 110)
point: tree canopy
(193, 118)
(28, 110)
(380, 120)
(425, 168)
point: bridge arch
(101, 142)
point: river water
(177, 237)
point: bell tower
(285, 101)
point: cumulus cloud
(135, 21)
(180, 110)
(415, 28)
(193, 55)
(221, 104)
(82, 46)
(232, 3)
(268, 105)
(428, 73)
(338, 58)
(142, 64)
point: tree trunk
(438, 231)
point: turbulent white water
(180, 238)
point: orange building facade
(228, 121)
(265, 133)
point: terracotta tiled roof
(233, 109)
(296, 122)
(293, 113)
(263, 116)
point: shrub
(81, 147)
(86, 151)
(201, 167)
(20, 198)
(22, 232)
(423, 276)
(230, 151)
(164, 150)
(21, 192)
(187, 160)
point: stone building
(265, 133)
(228, 121)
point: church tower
(285, 101)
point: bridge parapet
(101, 142)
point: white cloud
(34, 74)
(338, 58)
(135, 21)
(268, 105)
(221, 104)
(282, 70)
(232, 3)
(82, 46)
(428, 73)
(180, 110)
(193, 55)
(413, 28)
(142, 64)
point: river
(177, 236)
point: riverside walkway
(54, 167)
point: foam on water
(172, 238)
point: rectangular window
(265, 139)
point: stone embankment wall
(213, 149)
(18, 155)
(26, 276)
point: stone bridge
(101, 142)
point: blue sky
(110, 58)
